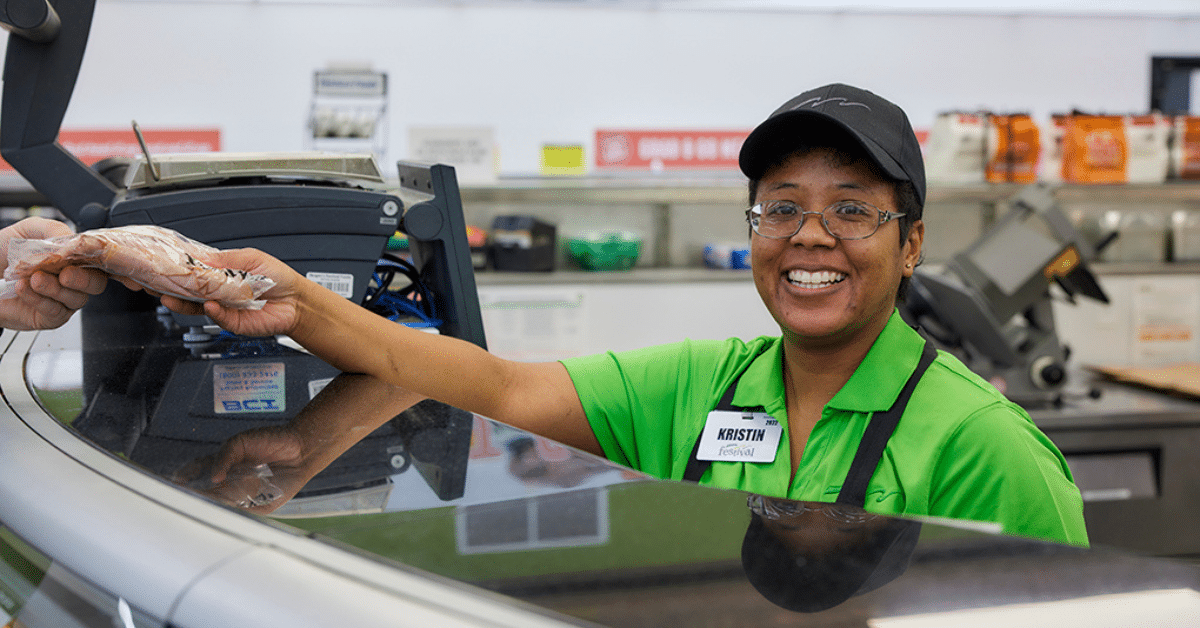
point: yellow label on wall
(562, 159)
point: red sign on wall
(92, 145)
(668, 149)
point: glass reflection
(809, 557)
(359, 434)
(330, 443)
(264, 467)
(339, 444)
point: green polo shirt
(961, 450)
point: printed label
(739, 437)
(248, 388)
(341, 284)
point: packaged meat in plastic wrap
(158, 258)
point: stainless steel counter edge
(193, 562)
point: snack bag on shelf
(1050, 169)
(1147, 138)
(1185, 159)
(954, 152)
(1094, 149)
(1013, 149)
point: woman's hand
(280, 313)
(258, 470)
(45, 300)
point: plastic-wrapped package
(242, 487)
(158, 258)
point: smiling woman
(821, 287)
(847, 403)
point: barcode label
(339, 283)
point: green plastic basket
(605, 251)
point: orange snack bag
(1094, 149)
(1187, 147)
(1015, 146)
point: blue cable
(393, 306)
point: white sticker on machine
(249, 387)
(317, 385)
(341, 284)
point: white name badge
(739, 437)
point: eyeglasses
(844, 220)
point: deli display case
(110, 515)
(158, 472)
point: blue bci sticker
(248, 387)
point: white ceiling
(1091, 7)
(1160, 8)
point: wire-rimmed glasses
(844, 220)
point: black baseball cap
(879, 125)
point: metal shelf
(728, 189)
(724, 190)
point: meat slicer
(991, 304)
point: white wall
(544, 73)
(535, 323)
(1152, 320)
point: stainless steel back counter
(1135, 455)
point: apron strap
(870, 449)
(696, 467)
(875, 438)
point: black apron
(870, 449)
